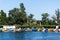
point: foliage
(2, 17)
(19, 17)
(45, 18)
(56, 18)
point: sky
(35, 7)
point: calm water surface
(29, 36)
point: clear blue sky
(36, 7)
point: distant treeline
(18, 16)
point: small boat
(39, 29)
(34, 29)
(28, 30)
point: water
(29, 36)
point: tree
(56, 18)
(18, 15)
(22, 8)
(23, 13)
(30, 18)
(57, 12)
(13, 15)
(2, 17)
(45, 18)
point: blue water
(29, 36)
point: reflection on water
(29, 36)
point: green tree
(30, 18)
(2, 17)
(56, 18)
(57, 12)
(18, 15)
(23, 13)
(13, 15)
(22, 8)
(45, 18)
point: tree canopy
(19, 16)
